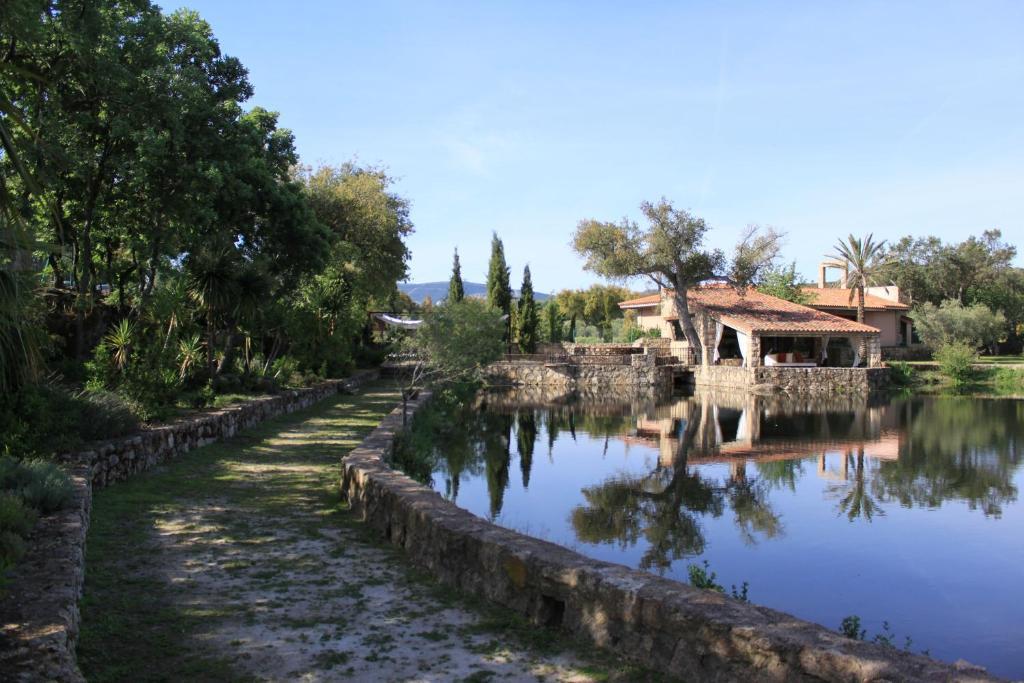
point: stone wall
(795, 381)
(39, 618)
(912, 352)
(668, 626)
(638, 371)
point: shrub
(105, 415)
(956, 361)
(15, 516)
(48, 488)
(901, 373)
(38, 483)
(12, 548)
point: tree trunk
(686, 321)
(209, 343)
(860, 318)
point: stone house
(750, 329)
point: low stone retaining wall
(639, 371)
(913, 352)
(39, 617)
(794, 381)
(662, 624)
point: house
(882, 306)
(751, 329)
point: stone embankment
(794, 381)
(39, 617)
(586, 368)
(662, 624)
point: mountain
(418, 291)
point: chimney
(823, 268)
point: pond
(905, 513)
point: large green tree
(670, 251)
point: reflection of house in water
(739, 428)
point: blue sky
(525, 117)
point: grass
(142, 618)
(984, 380)
(134, 624)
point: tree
(953, 323)
(784, 283)
(670, 252)
(527, 319)
(454, 344)
(499, 292)
(456, 292)
(551, 321)
(210, 275)
(864, 264)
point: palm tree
(864, 263)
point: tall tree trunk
(686, 321)
(209, 342)
(860, 318)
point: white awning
(403, 323)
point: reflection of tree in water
(665, 507)
(855, 501)
(497, 442)
(964, 449)
(526, 438)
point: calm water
(906, 512)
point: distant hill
(418, 291)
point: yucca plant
(190, 354)
(120, 341)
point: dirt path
(238, 562)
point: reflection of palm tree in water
(748, 500)
(857, 502)
(665, 507)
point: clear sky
(818, 118)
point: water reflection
(913, 452)
(899, 502)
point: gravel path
(238, 562)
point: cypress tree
(456, 292)
(528, 319)
(499, 292)
(552, 321)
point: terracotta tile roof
(835, 297)
(641, 302)
(754, 312)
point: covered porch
(730, 345)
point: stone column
(874, 358)
(755, 360)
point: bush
(15, 516)
(39, 484)
(901, 373)
(956, 362)
(48, 488)
(106, 415)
